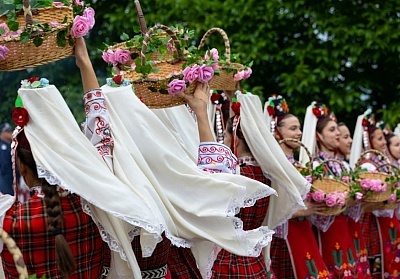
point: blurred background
(341, 52)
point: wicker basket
(375, 196)
(16, 253)
(152, 89)
(134, 47)
(371, 206)
(300, 168)
(223, 81)
(23, 55)
(329, 185)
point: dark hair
(322, 122)
(371, 133)
(239, 133)
(64, 257)
(282, 117)
(340, 124)
(388, 138)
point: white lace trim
(211, 259)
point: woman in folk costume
(393, 149)
(260, 159)
(321, 136)
(294, 250)
(201, 205)
(380, 228)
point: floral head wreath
(277, 106)
(320, 110)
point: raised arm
(88, 76)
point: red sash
(303, 248)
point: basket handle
(302, 145)
(142, 21)
(27, 13)
(147, 38)
(16, 253)
(376, 152)
(224, 36)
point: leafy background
(341, 52)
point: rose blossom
(318, 196)
(308, 178)
(331, 199)
(214, 54)
(133, 66)
(109, 57)
(238, 76)
(309, 196)
(392, 198)
(190, 74)
(122, 56)
(205, 73)
(80, 27)
(3, 51)
(359, 196)
(366, 184)
(79, 2)
(5, 28)
(215, 66)
(247, 73)
(58, 4)
(171, 47)
(176, 86)
(54, 24)
(89, 14)
(376, 186)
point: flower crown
(320, 110)
(277, 106)
(34, 82)
(218, 97)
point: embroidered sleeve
(216, 157)
(281, 231)
(354, 212)
(322, 222)
(96, 127)
(383, 213)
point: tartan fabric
(370, 234)
(158, 259)
(280, 259)
(27, 225)
(182, 264)
(228, 265)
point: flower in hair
(321, 110)
(277, 105)
(235, 106)
(20, 115)
(34, 82)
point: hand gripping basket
(225, 80)
(23, 55)
(330, 185)
(375, 196)
(152, 89)
(16, 253)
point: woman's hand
(199, 100)
(312, 208)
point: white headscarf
(181, 124)
(357, 145)
(397, 130)
(309, 135)
(202, 205)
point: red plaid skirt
(27, 225)
(372, 239)
(182, 264)
(280, 259)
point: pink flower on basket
(247, 73)
(171, 47)
(3, 51)
(58, 4)
(54, 24)
(79, 2)
(308, 178)
(331, 199)
(4, 27)
(205, 73)
(190, 74)
(14, 34)
(80, 27)
(346, 178)
(359, 196)
(122, 56)
(309, 196)
(366, 184)
(133, 66)
(89, 14)
(378, 186)
(238, 76)
(392, 198)
(109, 57)
(214, 54)
(318, 196)
(176, 86)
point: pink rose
(365, 184)
(205, 73)
(346, 178)
(190, 74)
(247, 73)
(122, 56)
(359, 196)
(89, 14)
(215, 66)
(133, 66)
(238, 76)
(3, 51)
(15, 34)
(377, 186)
(176, 86)
(392, 198)
(308, 178)
(5, 28)
(54, 24)
(109, 57)
(318, 196)
(330, 200)
(171, 47)
(214, 54)
(206, 56)
(79, 2)
(309, 196)
(80, 27)
(58, 4)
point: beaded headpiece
(276, 107)
(218, 98)
(369, 126)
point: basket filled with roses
(34, 36)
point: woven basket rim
(344, 186)
(44, 35)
